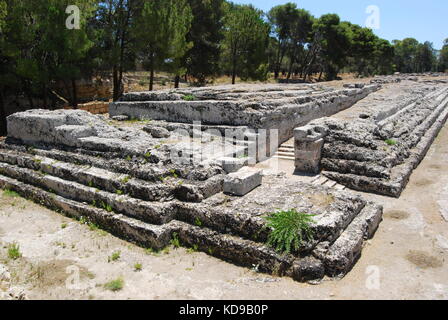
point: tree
(405, 54)
(3, 61)
(113, 22)
(301, 29)
(282, 19)
(246, 41)
(169, 22)
(425, 57)
(206, 34)
(443, 58)
(330, 45)
(383, 57)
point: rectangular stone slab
(243, 181)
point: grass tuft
(138, 267)
(10, 193)
(115, 256)
(14, 251)
(289, 230)
(189, 97)
(115, 285)
(391, 142)
(175, 242)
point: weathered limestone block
(243, 181)
(157, 132)
(120, 118)
(308, 143)
(231, 165)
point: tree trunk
(3, 125)
(234, 69)
(176, 81)
(151, 76)
(116, 93)
(74, 95)
(45, 96)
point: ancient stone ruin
(183, 166)
(380, 144)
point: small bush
(198, 222)
(125, 179)
(289, 230)
(115, 285)
(391, 142)
(14, 251)
(138, 267)
(115, 256)
(189, 97)
(175, 240)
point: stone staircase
(153, 210)
(138, 193)
(286, 151)
(324, 181)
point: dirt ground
(406, 259)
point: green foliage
(443, 58)
(289, 230)
(14, 251)
(246, 37)
(115, 285)
(106, 206)
(175, 242)
(169, 22)
(138, 267)
(391, 142)
(125, 179)
(11, 194)
(189, 97)
(114, 257)
(206, 34)
(198, 222)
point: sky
(423, 20)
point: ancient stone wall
(256, 107)
(378, 151)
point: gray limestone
(243, 181)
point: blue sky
(425, 20)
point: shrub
(14, 251)
(175, 242)
(115, 256)
(115, 285)
(138, 267)
(289, 230)
(391, 142)
(189, 97)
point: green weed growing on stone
(289, 230)
(175, 240)
(391, 142)
(189, 97)
(198, 222)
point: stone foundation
(124, 179)
(376, 153)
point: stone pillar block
(308, 143)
